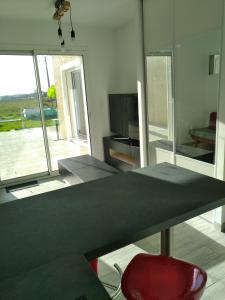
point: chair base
(116, 289)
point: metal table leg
(166, 242)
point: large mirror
(197, 47)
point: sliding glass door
(22, 147)
(63, 102)
(43, 113)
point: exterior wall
(58, 62)
(158, 95)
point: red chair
(212, 120)
(94, 265)
(157, 277)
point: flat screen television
(123, 110)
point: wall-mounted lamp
(214, 64)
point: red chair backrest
(154, 277)
(212, 120)
(94, 265)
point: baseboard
(219, 227)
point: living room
(99, 38)
(121, 45)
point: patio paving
(22, 152)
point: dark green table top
(86, 167)
(84, 161)
(65, 278)
(98, 217)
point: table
(68, 277)
(203, 135)
(86, 167)
(185, 150)
(90, 220)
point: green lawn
(12, 110)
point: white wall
(126, 59)
(98, 46)
(158, 25)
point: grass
(17, 125)
(13, 110)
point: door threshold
(21, 186)
(25, 180)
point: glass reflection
(160, 112)
(196, 50)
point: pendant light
(60, 30)
(72, 33)
(61, 7)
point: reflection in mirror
(197, 50)
(159, 106)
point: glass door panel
(197, 45)
(160, 108)
(63, 106)
(78, 104)
(22, 147)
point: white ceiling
(107, 13)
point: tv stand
(127, 140)
(121, 138)
(122, 152)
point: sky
(17, 74)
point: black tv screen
(123, 110)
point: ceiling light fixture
(61, 7)
(71, 23)
(60, 30)
(63, 43)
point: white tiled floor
(43, 186)
(196, 240)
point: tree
(52, 92)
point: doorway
(35, 120)
(75, 103)
(79, 105)
(54, 72)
